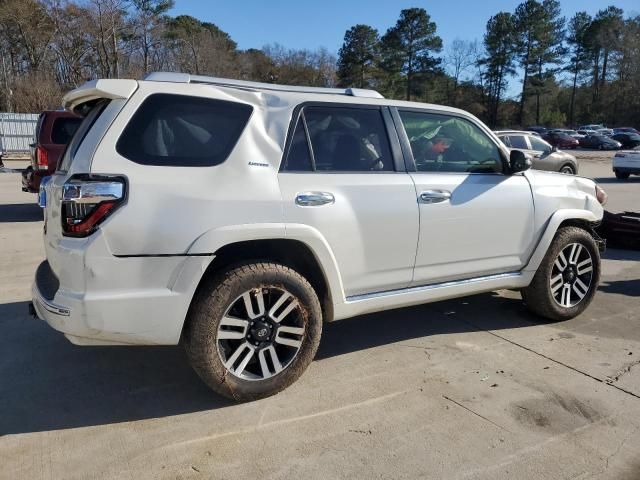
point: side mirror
(518, 161)
(554, 148)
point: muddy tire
(253, 330)
(567, 278)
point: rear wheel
(253, 331)
(621, 175)
(567, 278)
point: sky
(312, 24)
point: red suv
(53, 131)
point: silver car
(543, 155)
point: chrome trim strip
(50, 306)
(92, 192)
(433, 286)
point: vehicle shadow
(613, 179)
(20, 212)
(630, 288)
(50, 384)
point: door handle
(434, 196)
(314, 199)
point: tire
(621, 175)
(568, 169)
(548, 298)
(220, 325)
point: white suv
(237, 217)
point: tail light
(42, 158)
(88, 201)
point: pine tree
(408, 47)
(358, 57)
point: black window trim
(390, 129)
(408, 153)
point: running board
(406, 297)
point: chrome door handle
(314, 199)
(434, 196)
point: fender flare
(550, 232)
(213, 240)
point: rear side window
(343, 139)
(183, 131)
(518, 141)
(63, 129)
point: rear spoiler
(95, 89)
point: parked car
(626, 163)
(625, 130)
(571, 133)
(600, 142)
(239, 217)
(607, 132)
(53, 131)
(543, 155)
(627, 140)
(538, 129)
(560, 140)
(593, 126)
(585, 133)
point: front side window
(183, 131)
(443, 143)
(343, 139)
(539, 144)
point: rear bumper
(629, 170)
(106, 300)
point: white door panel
(371, 225)
(485, 227)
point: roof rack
(227, 82)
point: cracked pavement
(472, 388)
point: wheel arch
(584, 219)
(311, 257)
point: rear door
(343, 176)
(475, 219)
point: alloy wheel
(571, 275)
(261, 333)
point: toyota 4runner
(237, 217)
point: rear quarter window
(183, 131)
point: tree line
(585, 69)
(582, 70)
(51, 46)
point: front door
(340, 178)
(475, 219)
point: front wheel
(253, 331)
(621, 175)
(567, 169)
(567, 278)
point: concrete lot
(475, 388)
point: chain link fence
(16, 132)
